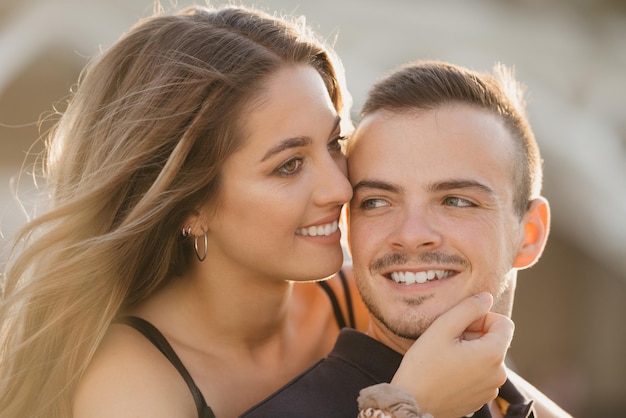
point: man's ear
(536, 224)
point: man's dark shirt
(330, 388)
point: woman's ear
(192, 223)
(536, 224)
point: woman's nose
(333, 186)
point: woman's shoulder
(129, 377)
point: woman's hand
(457, 365)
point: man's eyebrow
(435, 187)
(376, 184)
(460, 184)
(295, 142)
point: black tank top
(156, 338)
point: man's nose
(415, 228)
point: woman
(196, 175)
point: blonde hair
(139, 147)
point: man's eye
(290, 167)
(373, 203)
(458, 202)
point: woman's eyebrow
(298, 141)
(295, 142)
(336, 124)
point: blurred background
(571, 307)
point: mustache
(431, 257)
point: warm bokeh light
(570, 341)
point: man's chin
(407, 327)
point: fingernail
(484, 298)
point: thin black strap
(346, 291)
(333, 300)
(156, 338)
(341, 320)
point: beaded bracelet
(387, 401)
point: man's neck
(387, 337)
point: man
(447, 178)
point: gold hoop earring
(187, 231)
(195, 245)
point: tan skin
(240, 321)
(457, 206)
(237, 323)
(230, 375)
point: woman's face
(282, 192)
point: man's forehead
(445, 128)
(376, 123)
(450, 142)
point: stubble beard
(410, 325)
(413, 321)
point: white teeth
(322, 230)
(409, 277)
(421, 277)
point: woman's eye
(290, 167)
(373, 203)
(457, 202)
(335, 144)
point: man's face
(432, 219)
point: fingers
(468, 315)
(493, 343)
(497, 329)
(460, 356)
